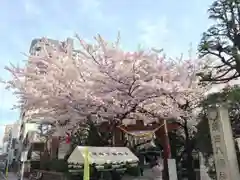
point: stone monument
(223, 144)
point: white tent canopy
(102, 155)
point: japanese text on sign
(215, 125)
(222, 176)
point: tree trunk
(173, 143)
(189, 149)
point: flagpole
(86, 174)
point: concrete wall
(29, 127)
(5, 147)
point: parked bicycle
(35, 175)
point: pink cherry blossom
(104, 81)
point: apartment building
(36, 47)
(7, 131)
(10, 145)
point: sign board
(102, 155)
(223, 144)
(172, 169)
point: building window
(15, 152)
(38, 49)
(14, 141)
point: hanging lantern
(68, 138)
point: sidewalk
(11, 176)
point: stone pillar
(202, 168)
(54, 145)
(63, 149)
(223, 144)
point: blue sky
(170, 24)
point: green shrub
(45, 165)
(133, 171)
(59, 165)
(35, 164)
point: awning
(103, 155)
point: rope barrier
(143, 134)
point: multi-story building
(37, 46)
(7, 130)
(10, 142)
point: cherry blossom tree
(103, 81)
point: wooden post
(166, 151)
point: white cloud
(88, 5)
(31, 8)
(91, 8)
(186, 23)
(153, 33)
(158, 34)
